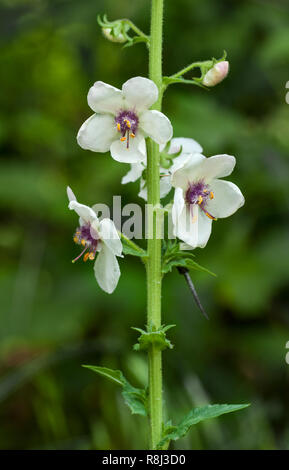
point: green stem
(190, 67)
(154, 276)
(137, 30)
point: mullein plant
(129, 123)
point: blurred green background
(53, 315)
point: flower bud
(216, 74)
(107, 32)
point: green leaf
(193, 265)
(172, 433)
(135, 398)
(174, 263)
(129, 250)
(113, 375)
(188, 263)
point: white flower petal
(188, 172)
(133, 154)
(184, 222)
(134, 173)
(143, 190)
(204, 228)
(227, 199)
(97, 133)
(70, 194)
(156, 125)
(188, 145)
(185, 247)
(110, 237)
(106, 269)
(86, 214)
(191, 225)
(104, 98)
(217, 166)
(178, 162)
(165, 186)
(140, 93)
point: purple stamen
(84, 236)
(199, 193)
(127, 124)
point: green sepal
(166, 159)
(135, 398)
(152, 336)
(195, 416)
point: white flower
(188, 146)
(216, 74)
(122, 120)
(97, 236)
(201, 197)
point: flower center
(83, 236)
(126, 124)
(199, 193)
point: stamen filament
(208, 214)
(127, 140)
(79, 256)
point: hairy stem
(154, 276)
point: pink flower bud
(216, 74)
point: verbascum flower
(201, 197)
(179, 144)
(100, 240)
(216, 74)
(122, 120)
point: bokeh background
(53, 315)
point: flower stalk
(154, 275)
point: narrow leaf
(135, 398)
(193, 265)
(113, 375)
(195, 416)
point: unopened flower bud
(216, 74)
(107, 32)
